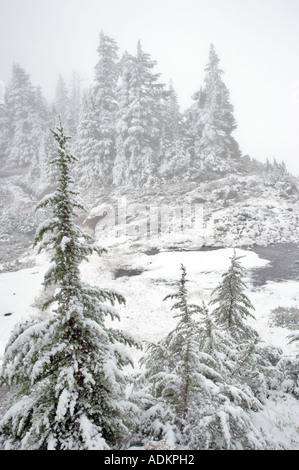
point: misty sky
(257, 42)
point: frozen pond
(283, 266)
(277, 263)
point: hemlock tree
(188, 399)
(67, 368)
(75, 97)
(86, 142)
(233, 307)
(171, 117)
(61, 100)
(96, 132)
(227, 422)
(213, 121)
(215, 342)
(48, 174)
(67, 102)
(41, 120)
(120, 169)
(175, 162)
(194, 126)
(232, 310)
(104, 92)
(172, 373)
(21, 112)
(138, 120)
(26, 119)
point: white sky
(257, 42)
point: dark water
(283, 266)
(122, 272)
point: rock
(231, 194)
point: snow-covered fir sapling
(167, 388)
(226, 423)
(186, 397)
(232, 311)
(233, 307)
(68, 368)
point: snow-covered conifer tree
(24, 119)
(96, 131)
(233, 307)
(122, 157)
(19, 100)
(188, 398)
(226, 423)
(232, 311)
(193, 121)
(68, 367)
(47, 173)
(61, 101)
(174, 160)
(104, 92)
(138, 120)
(213, 121)
(40, 122)
(86, 142)
(277, 176)
(75, 98)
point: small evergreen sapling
(190, 400)
(67, 368)
(233, 307)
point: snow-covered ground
(148, 318)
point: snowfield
(144, 281)
(164, 190)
